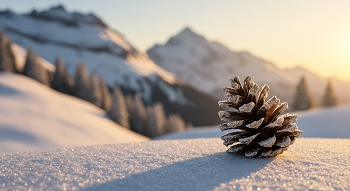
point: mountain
(33, 116)
(85, 37)
(208, 66)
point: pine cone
(256, 128)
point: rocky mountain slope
(85, 37)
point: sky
(314, 34)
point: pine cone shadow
(203, 173)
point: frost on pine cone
(255, 125)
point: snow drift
(198, 164)
(33, 116)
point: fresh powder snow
(33, 116)
(197, 164)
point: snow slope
(79, 37)
(33, 116)
(20, 55)
(329, 122)
(197, 164)
(209, 65)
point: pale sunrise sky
(311, 33)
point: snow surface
(197, 164)
(208, 66)
(332, 122)
(33, 116)
(74, 43)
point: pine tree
(257, 128)
(95, 94)
(62, 81)
(174, 123)
(129, 104)
(106, 95)
(156, 120)
(81, 82)
(7, 58)
(118, 111)
(330, 99)
(11, 56)
(302, 98)
(34, 70)
(138, 115)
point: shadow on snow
(203, 173)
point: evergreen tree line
(303, 99)
(129, 112)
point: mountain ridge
(207, 66)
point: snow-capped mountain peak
(207, 66)
(60, 14)
(77, 37)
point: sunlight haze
(309, 33)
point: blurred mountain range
(77, 37)
(186, 74)
(207, 66)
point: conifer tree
(156, 120)
(95, 93)
(129, 99)
(106, 95)
(330, 99)
(118, 111)
(34, 70)
(138, 115)
(302, 98)
(7, 57)
(11, 56)
(174, 123)
(62, 81)
(81, 82)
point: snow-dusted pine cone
(255, 125)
